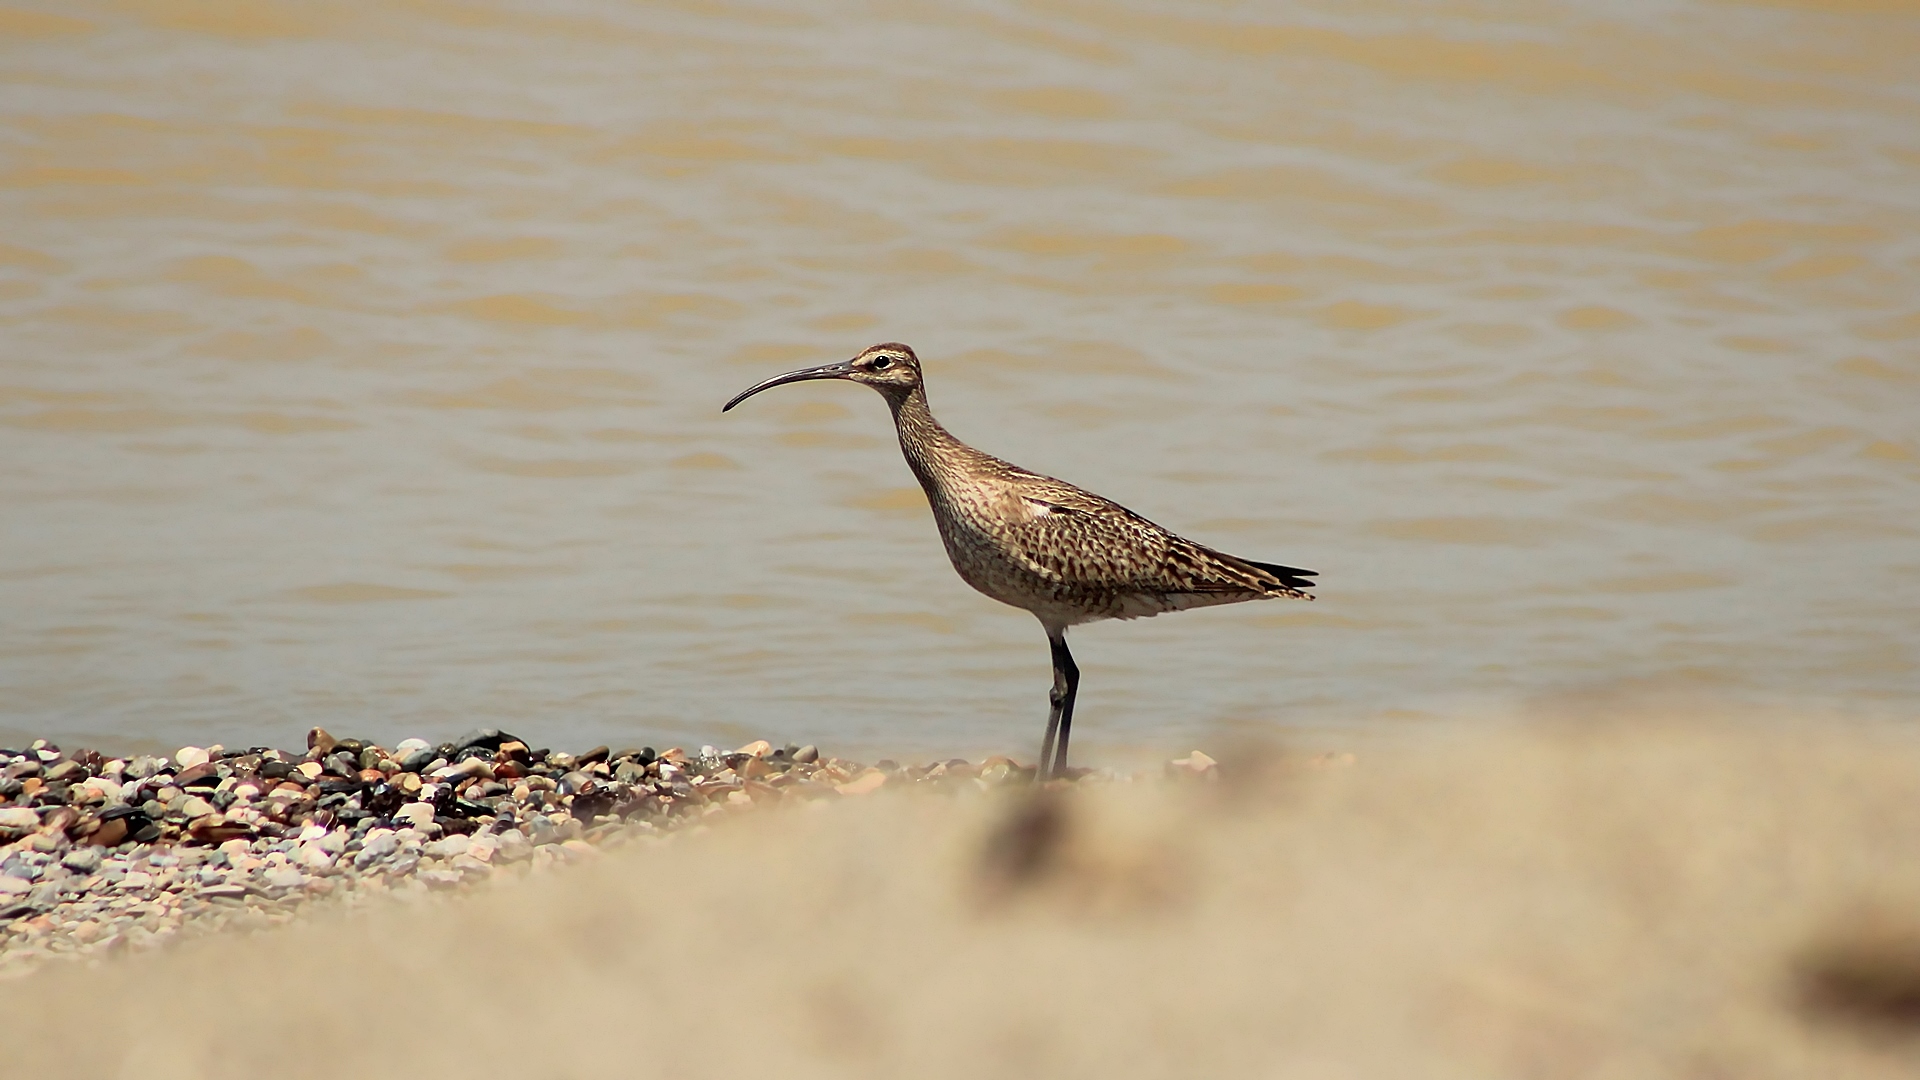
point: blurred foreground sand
(1617, 901)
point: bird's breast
(989, 549)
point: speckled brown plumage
(1044, 545)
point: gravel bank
(100, 854)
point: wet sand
(1602, 899)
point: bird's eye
(882, 363)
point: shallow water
(362, 362)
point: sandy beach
(1546, 900)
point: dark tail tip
(1291, 576)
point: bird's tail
(1291, 577)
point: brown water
(361, 363)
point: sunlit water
(361, 363)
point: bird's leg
(1066, 680)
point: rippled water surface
(360, 364)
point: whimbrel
(1044, 545)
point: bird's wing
(1072, 536)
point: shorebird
(1062, 553)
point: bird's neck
(930, 449)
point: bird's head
(890, 368)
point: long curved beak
(825, 371)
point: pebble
(513, 847)
(440, 879)
(869, 781)
(100, 853)
(375, 849)
(468, 767)
(1194, 764)
(18, 819)
(285, 878)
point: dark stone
(383, 799)
(276, 770)
(490, 738)
(592, 804)
(465, 752)
(109, 834)
(418, 760)
(342, 764)
(598, 753)
(350, 746)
